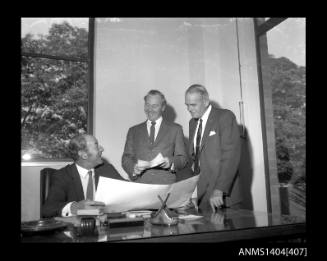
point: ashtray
(42, 225)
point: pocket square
(212, 133)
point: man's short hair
(77, 144)
(156, 92)
(198, 88)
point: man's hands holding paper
(138, 168)
(166, 163)
(85, 204)
(158, 161)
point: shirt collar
(83, 172)
(158, 121)
(205, 115)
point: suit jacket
(67, 187)
(219, 156)
(169, 141)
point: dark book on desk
(125, 222)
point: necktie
(197, 148)
(89, 191)
(152, 129)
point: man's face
(153, 107)
(196, 104)
(94, 151)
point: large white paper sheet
(119, 195)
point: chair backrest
(46, 175)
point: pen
(164, 202)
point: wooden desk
(227, 225)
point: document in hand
(122, 196)
(158, 160)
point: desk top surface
(210, 226)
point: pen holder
(163, 218)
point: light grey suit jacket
(169, 142)
(220, 155)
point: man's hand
(166, 163)
(84, 204)
(138, 169)
(216, 199)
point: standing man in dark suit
(74, 186)
(215, 148)
(147, 139)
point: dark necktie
(197, 149)
(89, 191)
(152, 129)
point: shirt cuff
(66, 210)
(172, 168)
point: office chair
(46, 179)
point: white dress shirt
(156, 126)
(156, 131)
(204, 118)
(83, 173)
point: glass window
(285, 75)
(54, 85)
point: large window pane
(54, 91)
(286, 76)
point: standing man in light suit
(147, 139)
(215, 149)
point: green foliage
(53, 92)
(288, 83)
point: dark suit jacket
(219, 158)
(67, 187)
(169, 141)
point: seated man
(147, 139)
(74, 185)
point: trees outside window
(282, 56)
(54, 90)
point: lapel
(208, 127)
(144, 133)
(77, 182)
(193, 124)
(162, 130)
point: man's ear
(206, 102)
(163, 108)
(82, 154)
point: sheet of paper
(138, 213)
(144, 164)
(153, 163)
(157, 161)
(189, 217)
(122, 196)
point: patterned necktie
(89, 191)
(197, 149)
(152, 129)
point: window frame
(90, 86)
(261, 28)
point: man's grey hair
(198, 88)
(76, 144)
(156, 92)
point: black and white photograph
(164, 130)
